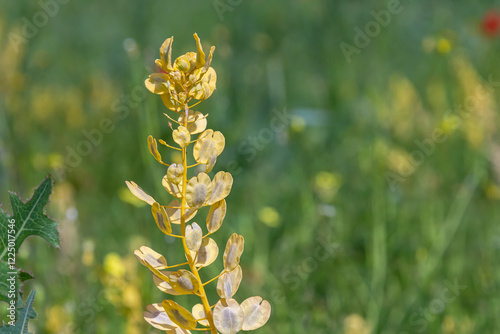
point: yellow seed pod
(158, 83)
(174, 189)
(161, 218)
(229, 282)
(156, 316)
(153, 148)
(216, 215)
(198, 190)
(174, 173)
(174, 212)
(200, 55)
(183, 281)
(179, 315)
(232, 254)
(200, 315)
(165, 61)
(208, 145)
(256, 312)
(139, 193)
(142, 259)
(174, 104)
(204, 87)
(207, 253)
(221, 187)
(164, 286)
(193, 237)
(149, 256)
(196, 121)
(181, 136)
(208, 61)
(228, 316)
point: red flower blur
(490, 25)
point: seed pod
(181, 136)
(207, 253)
(198, 190)
(228, 316)
(179, 315)
(161, 218)
(183, 281)
(232, 254)
(229, 282)
(174, 173)
(193, 237)
(221, 187)
(255, 313)
(198, 312)
(216, 215)
(196, 121)
(139, 193)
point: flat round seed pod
(149, 256)
(196, 121)
(164, 286)
(153, 148)
(194, 235)
(158, 318)
(207, 253)
(183, 281)
(174, 173)
(229, 282)
(174, 189)
(199, 314)
(208, 145)
(256, 313)
(228, 316)
(216, 215)
(157, 83)
(139, 193)
(174, 212)
(181, 136)
(161, 218)
(221, 187)
(232, 254)
(179, 315)
(198, 190)
(204, 89)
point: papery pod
(174, 173)
(179, 315)
(149, 256)
(165, 61)
(221, 187)
(153, 148)
(196, 121)
(164, 286)
(216, 215)
(200, 55)
(183, 281)
(174, 189)
(174, 104)
(142, 259)
(198, 190)
(158, 83)
(174, 212)
(181, 136)
(161, 218)
(205, 87)
(229, 282)
(256, 313)
(156, 316)
(139, 193)
(208, 145)
(228, 316)
(207, 253)
(199, 314)
(193, 237)
(232, 254)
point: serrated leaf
(30, 219)
(23, 317)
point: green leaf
(29, 219)
(23, 317)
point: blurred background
(362, 137)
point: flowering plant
(181, 83)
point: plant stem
(194, 270)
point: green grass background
(394, 246)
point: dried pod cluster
(189, 78)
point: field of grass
(366, 165)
